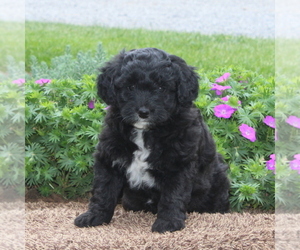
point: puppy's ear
(106, 80)
(187, 89)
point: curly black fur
(154, 151)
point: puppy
(154, 151)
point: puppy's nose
(143, 113)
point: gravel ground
(254, 18)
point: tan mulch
(49, 225)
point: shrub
(61, 134)
(12, 103)
(61, 129)
(14, 70)
(235, 107)
(287, 145)
(65, 66)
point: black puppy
(154, 151)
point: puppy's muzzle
(143, 113)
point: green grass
(206, 52)
(11, 42)
(287, 54)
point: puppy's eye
(131, 88)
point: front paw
(161, 225)
(89, 219)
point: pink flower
(297, 156)
(293, 121)
(223, 78)
(106, 108)
(42, 81)
(295, 164)
(271, 164)
(19, 81)
(219, 88)
(91, 104)
(270, 121)
(226, 99)
(248, 132)
(224, 111)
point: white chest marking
(137, 173)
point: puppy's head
(147, 86)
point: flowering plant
(238, 107)
(287, 144)
(61, 133)
(12, 103)
(62, 122)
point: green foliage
(12, 104)
(253, 184)
(61, 134)
(287, 145)
(14, 70)
(65, 66)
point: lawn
(206, 52)
(11, 42)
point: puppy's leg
(106, 189)
(139, 200)
(219, 192)
(175, 195)
(212, 198)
